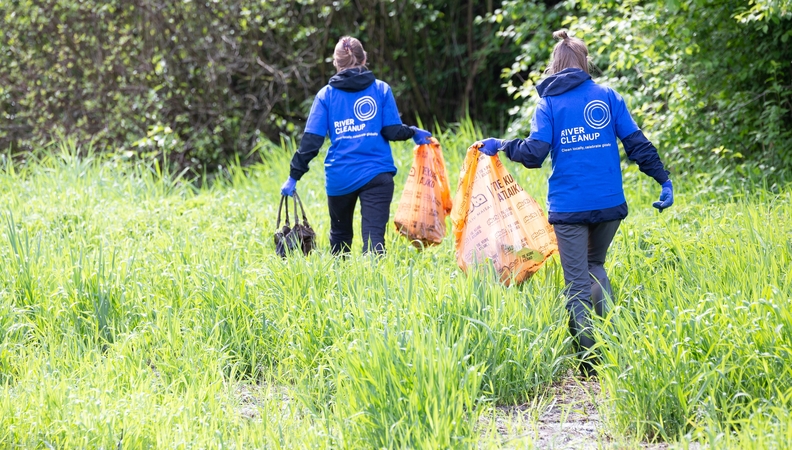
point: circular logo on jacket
(365, 108)
(597, 114)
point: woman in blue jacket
(359, 114)
(577, 122)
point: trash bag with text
(495, 220)
(426, 198)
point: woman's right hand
(666, 197)
(421, 137)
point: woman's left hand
(490, 146)
(289, 187)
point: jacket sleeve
(397, 132)
(640, 150)
(309, 148)
(530, 152)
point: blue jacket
(359, 114)
(578, 121)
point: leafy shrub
(224, 75)
(709, 82)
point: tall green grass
(703, 333)
(141, 311)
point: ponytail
(560, 35)
(348, 54)
(569, 52)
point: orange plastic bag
(495, 219)
(426, 199)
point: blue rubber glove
(421, 137)
(666, 197)
(490, 146)
(288, 187)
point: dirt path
(571, 419)
(566, 417)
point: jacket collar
(352, 80)
(561, 82)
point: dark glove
(490, 146)
(289, 187)
(421, 137)
(666, 197)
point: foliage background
(208, 80)
(710, 81)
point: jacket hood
(352, 80)
(560, 82)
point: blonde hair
(570, 52)
(348, 54)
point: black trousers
(375, 199)
(583, 248)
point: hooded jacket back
(352, 110)
(581, 121)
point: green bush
(114, 71)
(205, 82)
(708, 81)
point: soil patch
(567, 416)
